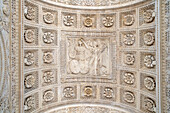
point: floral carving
(29, 81)
(108, 93)
(48, 96)
(128, 20)
(29, 59)
(88, 22)
(129, 59)
(88, 91)
(29, 12)
(68, 92)
(108, 21)
(149, 105)
(29, 36)
(149, 38)
(48, 37)
(48, 18)
(129, 78)
(129, 39)
(48, 57)
(48, 76)
(149, 15)
(149, 61)
(29, 103)
(149, 83)
(68, 20)
(129, 97)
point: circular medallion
(129, 59)
(88, 22)
(129, 97)
(48, 96)
(149, 61)
(149, 16)
(149, 39)
(129, 20)
(29, 59)
(48, 18)
(149, 83)
(68, 20)
(48, 57)
(108, 21)
(29, 12)
(149, 105)
(29, 103)
(88, 91)
(48, 37)
(68, 92)
(108, 92)
(129, 78)
(129, 39)
(48, 77)
(29, 81)
(29, 36)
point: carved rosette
(48, 57)
(88, 91)
(68, 20)
(48, 96)
(29, 81)
(129, 97)
(29, 12)
(48, 37)
(149, 15)
(149, 61)
(48, 77)
(128, 20)
(129, 59)
(29, 36)
(29, 59)
(88, 22)
(108, 93)
(108, 21)
(68, 92)
(129, 78)
(149, 105)
(149, 83)
(149, 39)
(48, 18)
(29, 103)
(129, 39)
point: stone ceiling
(91, 4)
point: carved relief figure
(88, 57)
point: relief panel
(87, 57)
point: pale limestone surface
(81, 56)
